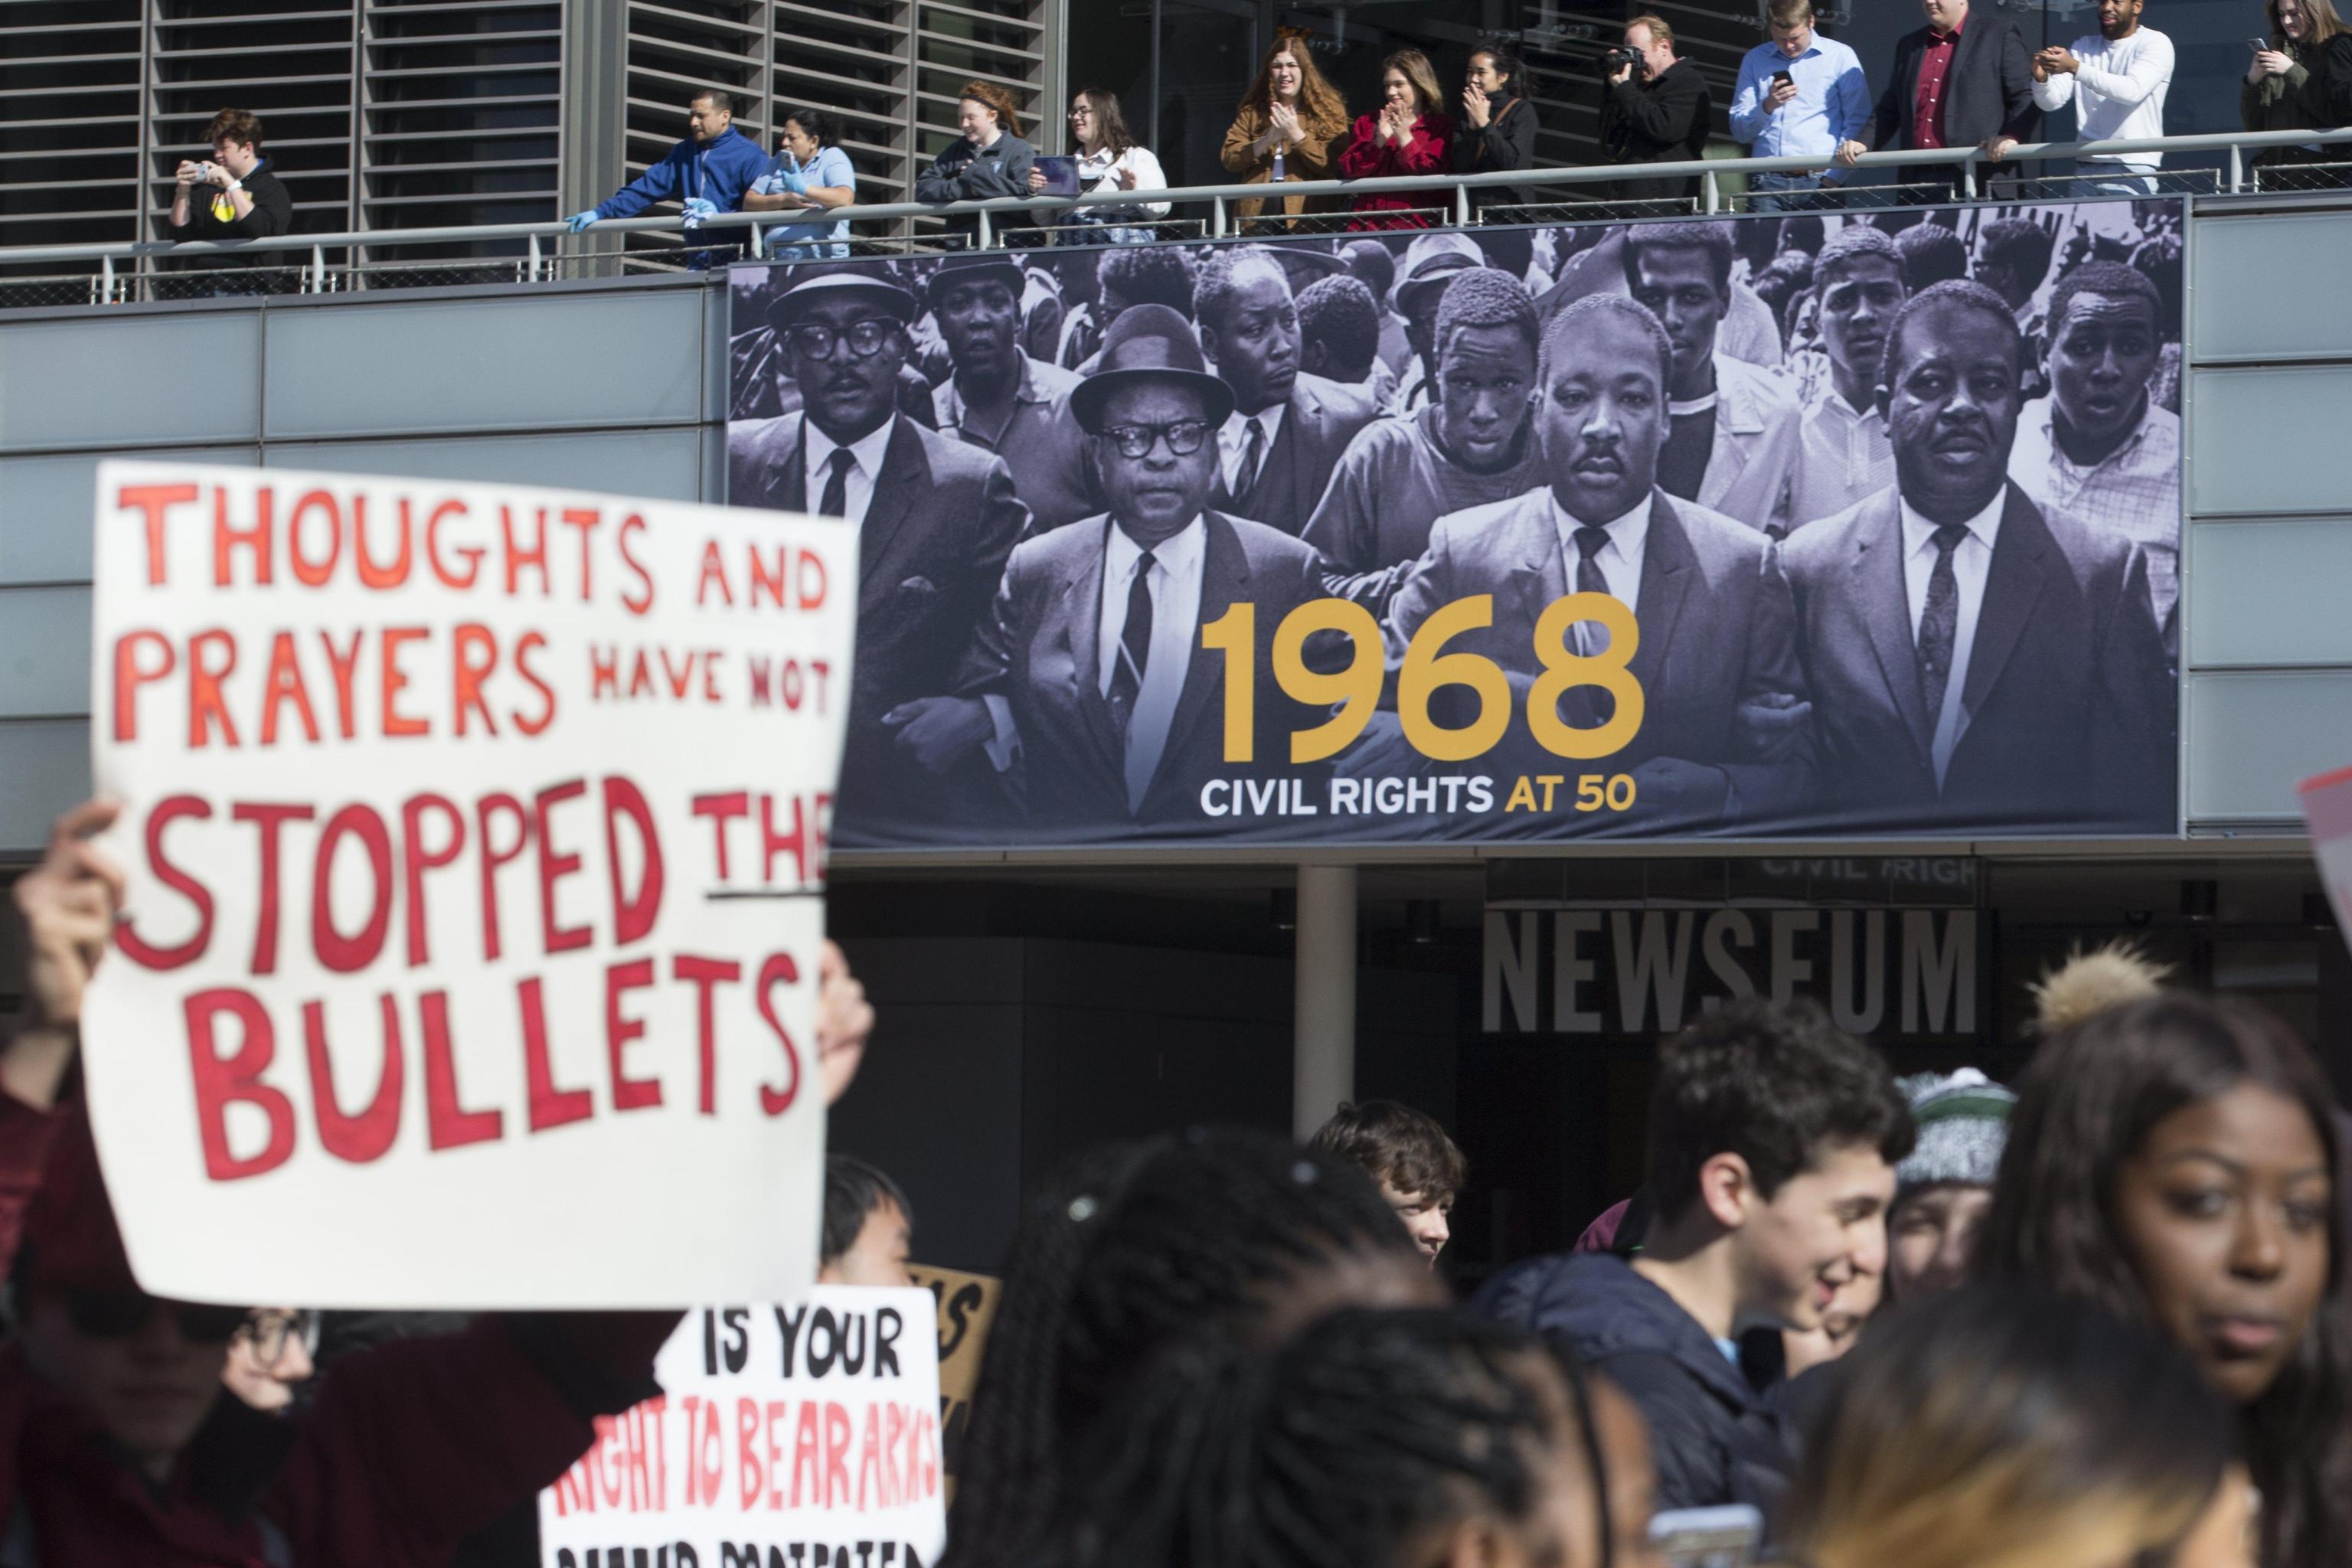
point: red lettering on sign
(155, 500)
(363, 1138)
(268, 819)
(167, 810)
(447, 1124)
(222, 1081)
(780, 969)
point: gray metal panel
(46, 505)
(524, 362)
(2255, 441)
(665, 465)
(148, 379)
(2234, 318)
(2270, 592)
(2251, 734)
(44, 659)
(44, 768)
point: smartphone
(2258, 44)
(1709, 1537)
(1784, 76)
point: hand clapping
(1474, 107)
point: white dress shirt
(1233, 443)
(1972, 564)
(865, 464)
(1098, 169)
(2122, 86)
(1620, 561)
(1174, 584)
(2135, 490)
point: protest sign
(967, 1309)
(2327, 809)
(476, 840)
(800, 1436)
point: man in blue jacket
(708, 171)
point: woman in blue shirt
(811, 174)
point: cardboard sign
(967, 1307)
(476, 840)
(801, 1436)
(2327, 809)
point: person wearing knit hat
(1942, 1189)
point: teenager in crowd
(2003, 1428)
(1498, 128)
(1242, 1236)
(1944, 1186)
(1286, 125)
(869, 1227)
(1373, 1439)
(1417, 1167)
(1109, 159)
(1773, 1142)
(1411, 134)
(989, 159)
(2176, 1160)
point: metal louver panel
(70, 78)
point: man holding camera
(1657, 110)
(230, 195)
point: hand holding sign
(68, 903)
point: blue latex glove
(697, 209)
(580, 220)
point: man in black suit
(935, 520)
(1974, 663)
(1722, 737)
(1277, 447)
(1965, 79)
(1091, 670)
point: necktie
(1939, 623)
(1134, 646)
(1253, 456)
(1591, 636)
(834, 503)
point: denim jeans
(2106, 180)
(1788, 194)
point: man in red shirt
(1964, 80)
(119, 1448)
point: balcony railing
(547, 248)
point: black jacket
(2318, 97)
(968, 173)
(1988, 89)
(1663, 119)
(272, 214)
(1507, 141)
(1714, 1439)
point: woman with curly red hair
(991, 160)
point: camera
(1619, 56)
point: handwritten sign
(476, 840)
(967, 1310)
(800, 1436)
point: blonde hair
(1660, 31)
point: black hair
(719, 97)
(1360, 1443)
(1931, 254)
(1977, 1423)
(1135, 1248)
(1776, 1083)
(1507, 65)
(1214, 284)
(1150, 275)
(1786, 280)
(1338, 312)
(1375, 257)
(815, 123)
(2086, 1104)
(852, 1190)
(1713, 239)
(2021, 243)
(1486, 297)
(2112, 279)
(1563, 327)
(2159, 260)
(1960, 294)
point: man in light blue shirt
(811, 175)
(1800, 95)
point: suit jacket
(1989, 86)
(1717, 630)
(1324, 417)
(942, 520)
(1040, 650)
(1758, 432)
(2068, 701)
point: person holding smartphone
(2300, 78)
(1800, 95)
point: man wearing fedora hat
(1091, 666)
(1277, 449)
(997, 396)
(935, 520)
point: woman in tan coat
(1290, 115)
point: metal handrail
(1969, 159)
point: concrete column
(1323, 1041)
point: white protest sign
(799, 1436)
(475, 839)
(2327, 811)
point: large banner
(1746, 527)
(476, 845)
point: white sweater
(2121, 85)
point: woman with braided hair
(1373, 1439)
(1242, 1236)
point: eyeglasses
(1082, 113)
(1184, 438)
(270, 1331)
(119, 1314)
(816, 341)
